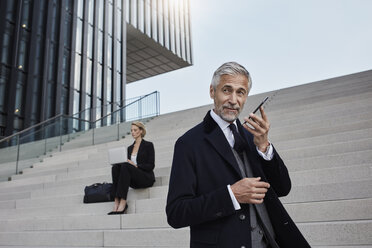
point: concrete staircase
(322, 130)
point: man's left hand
(260, 129)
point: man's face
(230, 96)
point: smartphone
(258, 107)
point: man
(226, 179)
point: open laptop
(117, 155)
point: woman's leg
(122, 205)
(117, 202)
(115, 173)
(130, 176)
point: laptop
(117, 155)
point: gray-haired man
(226, 177)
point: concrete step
(329, 161)
(358, 209)
(345, 233)
(15, 196)
(325, 149)
(332, 175)
(299, 194)
(301, 132)
(165, 237)
(333, 210)
(324, 139)
(332, 117)
(338, 233)
(332, 191)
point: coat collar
(217, 139)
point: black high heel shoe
(119, 212)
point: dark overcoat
(203, 165)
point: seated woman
(137, 172)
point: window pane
(100, 47)
(90, 41)
(109, 52)
(77, 72)
(76, 101)
(23, 49)
(67, 35)
(87, 107)
(37, 63)
(118, 56)
(101, 10)
(55, 23)
(64, 100)
(19, 99)
(52, 62)
(51, 99)
(118, 88)
(109, 19)
(26, 8)
(80, 8)
(36, 93)
(41, 18)
(88, 83)
(99, 81)
(69, 5)
(10, 7)
(79, 35)
(109, 86)
(5, 49)
(66, 67)
(91, 11)
(118, 24)
(4, 77)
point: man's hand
(250, 190)
(260, 129)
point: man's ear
(211, 92)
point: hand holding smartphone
(258, 107)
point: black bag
(98, 192)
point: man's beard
(229, 116)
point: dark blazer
(145, 157)
(203, 166)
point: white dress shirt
(224, 125)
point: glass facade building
(70, 56)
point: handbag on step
(98, 192)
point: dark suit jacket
(145, 157)
(203, 166)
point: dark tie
(239, 143)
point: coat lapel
(251, 152)
(217, 140)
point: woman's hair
(141, 126)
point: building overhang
(147, 58)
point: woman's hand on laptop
(132, 163)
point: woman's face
(136, 131)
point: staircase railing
(52, 134)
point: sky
(281, 43)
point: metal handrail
(54, 128)
(114, 103)
(29, 128)
(63, 115)
(125, 106)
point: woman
(137, 172)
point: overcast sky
(282, 43)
